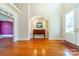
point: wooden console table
(38, 32)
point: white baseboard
(55, 38)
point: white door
(77, 25)
(72, 33)
(69, 32)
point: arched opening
(38, 27)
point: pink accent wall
(6, 27)
(0, 27)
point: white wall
(52, 12)
(23, 22)
(10, 9)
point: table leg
(44, 35)
(33, 35)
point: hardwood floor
(36, 47)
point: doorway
(38, 27)
(6, 30)
(71, 28)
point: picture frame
(39, 25)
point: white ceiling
(25, 5)
(20, 5)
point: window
(69, 22)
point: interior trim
(15, 7)
(70, 45)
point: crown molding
(15, 7)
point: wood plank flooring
(37, 47)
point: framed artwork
(39, 25)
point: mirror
(39, 25)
